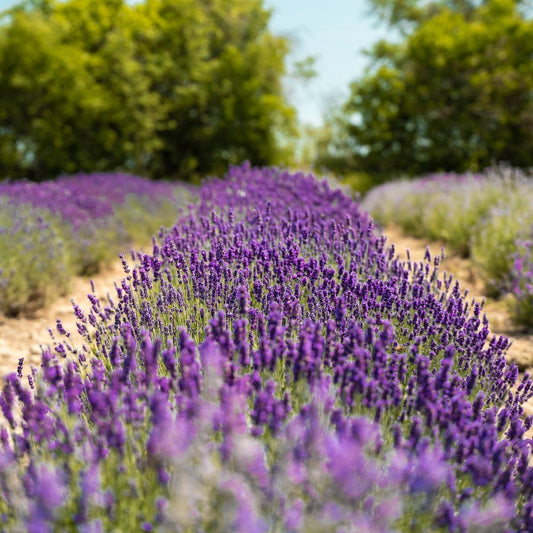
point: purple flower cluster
(84, 198)
(73, 225)
(273, 358)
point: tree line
(160, 88)
(453, 93)
(182, 89)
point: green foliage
(306, 68)
(457, 94)
(359, 182)
(407, 14)
(403, 14)
(328, 149)
(160, 88)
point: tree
(457, 94)
(225, 97)
(406, 15)
(164, 88)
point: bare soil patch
(24, 336)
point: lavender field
(486, 217)
(53, 230)
(271, 365)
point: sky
(335, 32)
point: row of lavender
(271, 366)
(52, 230)
(488, 217)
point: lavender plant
(521, 279)
(447, 207)
(34, 257)
(496, 242)
(271, 366)
(51, 230)
(480, 215)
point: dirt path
(23, 337)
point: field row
(53, 230)
(488, 217)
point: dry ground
(24, 336)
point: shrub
(34, 257)
(478, 215)
(50, 231)
(494, 243)
(521, 278)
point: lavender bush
(51, 230)
(271, 366)
(496, 241)
(453, 208)
(522, 283)
(34, 259)
(483, 216)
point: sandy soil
(24, 336)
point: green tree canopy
(166, 88)
(456, 94)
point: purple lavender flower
(272, 350)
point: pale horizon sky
(335, 32)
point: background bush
(487, 217)
(522, 282)
(35, 260)
(74, 225)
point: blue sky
(335, 32)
